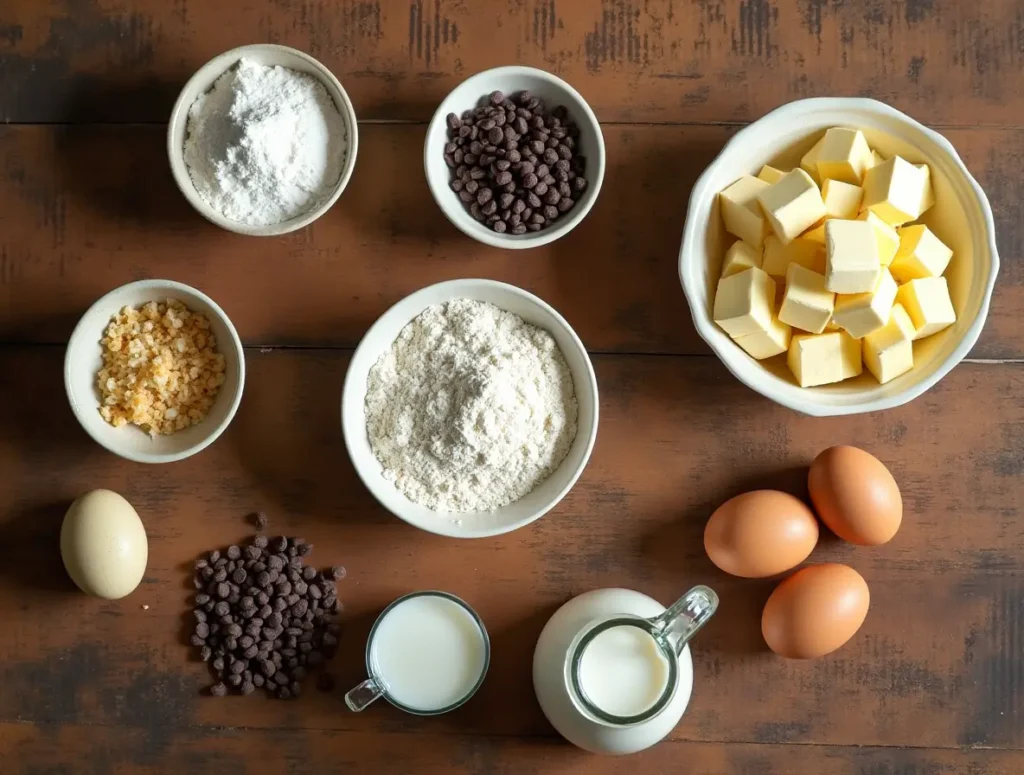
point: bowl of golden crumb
(154, 371)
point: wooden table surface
(933, 682)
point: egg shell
(815, 611)
(760, 533)
(855, 496)
(103, 544)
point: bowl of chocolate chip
(514, 157)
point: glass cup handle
(359, 697)
(686, 616)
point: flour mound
(471, 408)
(265, 144)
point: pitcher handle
(359, 697)
(686, 616)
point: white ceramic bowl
(268, 55)
(380, 337)
(84, 357)
(961, 217)
(554, 92)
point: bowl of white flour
(262, 140)
(470, 408)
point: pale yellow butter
(851, 351)
(889, 351)
(851, 256)
(807, 304)
(928, 197)
(741, 213)
(844, 155)
(745, 302)
(816, 233)
(921, 254)
(765, 344)
(928, 304)
(887, 237)
(809, 162)
(842, 200)
(792, 205)
(778, 257)
(895, 191)
(876, 158)
(740, 256)
(821, 359)
(861, 313)
(769, 174)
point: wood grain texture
(635, 60)
(86, 209)
(937, 664)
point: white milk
(429, 652)
(623, 671)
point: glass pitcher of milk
(612, 669)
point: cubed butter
(809, 162)
(842, 200)
(876, 158)
(741, 213)
(844, 156)
(861, 313)
(895, 191)
(928, 197)
(820, 359)
(889, 351)
(738, 257)
(851, 256)
(769, 174)
(778, 257)
(887, 237)
(792, 205)
(768, 343)
(921, 254)
(745, 302)
(807, 304)
(816, 233)
(928, 304)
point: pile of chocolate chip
(264, 619)
(516, 166)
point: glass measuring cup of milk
(612, 669)
(427, 654)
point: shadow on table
(30, 558)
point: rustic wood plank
(116, 750)
(938, 662)
(662, 60)
(87, 209)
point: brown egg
(760, 533)
(855, 496)
(815, 611)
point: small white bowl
(84, 358)
(961, 217)
(479, 524)
(268, 55)
(553, 91)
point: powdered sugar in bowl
(545, 456)
(262, 140)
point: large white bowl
(961, 217)
(268, 55)
(380, 337)
(84, 357)
(553, 91)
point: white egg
(103, 545)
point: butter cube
(806, 305)
(738, 257)
(778, 257)
(921, 254)
(842, 200)
(745, 302)
(889, 351)
(844, 156)
(809, 162)
(861, 313)
(792, 205)
(928, 304)
(741, 213)
(876, 158)
(887, 237)
(928, 198)
(820, 359)
(816, 233)
(769, 174)
(851, 257)
(766, 344)
(895, 191)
